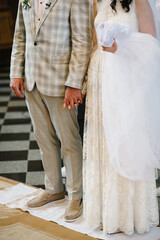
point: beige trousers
(52, 122)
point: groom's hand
(72, 97)
(17, 86)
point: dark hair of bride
(125, 4)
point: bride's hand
(112, 49)
(83, 95)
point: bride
(122, 121)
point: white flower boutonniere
(25, 4)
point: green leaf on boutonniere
(26, 4)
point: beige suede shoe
(73, 210)
(43, 199)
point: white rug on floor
(18, 196)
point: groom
(50, 53)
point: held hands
(83, 95)
(111, 49)
(17, 87)
(72, 98)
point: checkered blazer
(57, 53)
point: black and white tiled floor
(19, 153)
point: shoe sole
(72, 220)
(118, 231)
(46, 204)
(114, 233)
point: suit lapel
(45, 14)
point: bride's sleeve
(145, 17)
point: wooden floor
(18, 225)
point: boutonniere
(26, 4)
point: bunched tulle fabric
(130, 106)
(121, 133)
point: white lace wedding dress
(111, 199)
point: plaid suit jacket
(55, 55)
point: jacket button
(35, 43)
